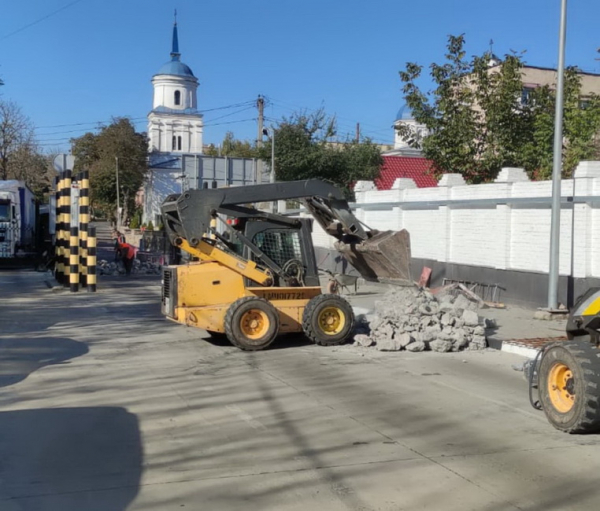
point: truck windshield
(4, 212)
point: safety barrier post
(67, 224)
(91, 260)
(84, 219)
(74, 260)
(60, 268)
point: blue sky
(94, 59)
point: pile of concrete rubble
(140, 268)
(414, 319)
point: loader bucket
(384, 257)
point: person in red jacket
(125, 253)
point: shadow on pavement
(20, 357)
(69, 459)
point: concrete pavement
(106, 406)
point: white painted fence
(503, 225)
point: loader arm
(188, 215)
(377, 256)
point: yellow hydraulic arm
(208, 252)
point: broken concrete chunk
(470, 318)
(388, 345)
(479, 330)
(440, 345)
(447, 319)
(405, 339)
(479, 340)
(429, 309)
(363, 340)
(416, 346)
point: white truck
(17, 219)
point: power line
(39, 20)
(64, 140)
(232, 113)
(235, 105)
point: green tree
(117, 147)
(478, 123)
(305, 148)
(581, 128)
(233, 148)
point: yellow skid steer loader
(254, 274)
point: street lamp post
(118, 197)
(553, 271)
(272, 138)
(271, 134)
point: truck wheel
(328, 320)
(569, 386)
(251, 323)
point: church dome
(404, 114)
(175, 67)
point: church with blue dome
(403, 144)
(174, 123)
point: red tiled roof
(394, 167)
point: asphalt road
(105, 406)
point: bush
(150, 226)
(135, 222)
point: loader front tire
(328, 320)
(569, 386)
(251, 323)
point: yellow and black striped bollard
(74, 260)
(84, 220)
(57, 228)
(67, 224)
(91, 260)
(58, 266)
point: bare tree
(16, 131)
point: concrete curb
(516, 347)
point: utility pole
(553, 270)
(260, 104)
(357, 132)
(118, 198)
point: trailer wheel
(569, 386)
(251, 323)
(328, 320)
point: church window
(179, 143)
(174, 144)
(178, 97)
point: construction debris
(413, 319)
(140, 268)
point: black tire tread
(309, 312)
(588, 358)
(229, 322)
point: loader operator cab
(289, 247)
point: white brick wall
(504, 225)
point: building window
(177, 97)
(179, 143)
(526, 94)
(174, 143)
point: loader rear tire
(569, 386)
(251, 323)
(328, 320)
